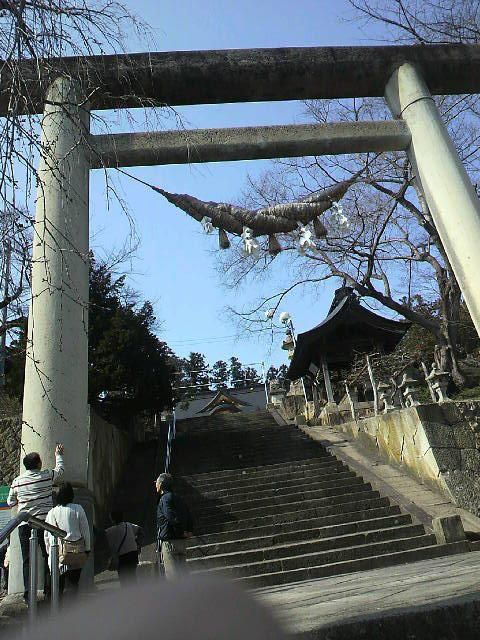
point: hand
(59, 449)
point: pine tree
(220, 375)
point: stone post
(450, 195)
(328, 383)
(55, 407)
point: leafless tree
(391, 250)
(41, 33)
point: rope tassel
(319, 228)
(274, 246)
(223, 240)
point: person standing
(124, 540)
(71, 518)
(174, 525)
(32, 492)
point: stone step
(245, 480)
(272, 503)
(241, 440)
(376, 561)
(337, 496)
(273, 489)
(287, 528)
(318, 559)
(216, 462)
(238, 464)
(301, 531)
(307, 547)
(230, 463)
(199, 479)
(351, 503)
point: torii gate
(55, 399)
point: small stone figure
(439, 382)
(385, 393)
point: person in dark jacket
(174, 525)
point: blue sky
(175, 262)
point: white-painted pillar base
(55, 405)
(450, 195)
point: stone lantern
(385, 394)
(438, 383)
(276, 392)
(409, 386)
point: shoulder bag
(113, 564)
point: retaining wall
(438, 443)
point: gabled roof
(347, 329)
(222, 399)
(251, 399)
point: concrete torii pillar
(55, 403)
(449, 193)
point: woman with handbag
(75, 547)
(124, 540)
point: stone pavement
(311, 608)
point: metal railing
(36, 524)
(172, 427)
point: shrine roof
(349, 328)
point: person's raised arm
(59, 465)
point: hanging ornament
(250, 245)
(338, 218)
(207, 224)
(274, 246)
(223, 240)
(305, 240)
(319, 228)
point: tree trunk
(447, 353)
(446, 357)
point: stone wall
(438, 443)
(10, 433)
(109, 449)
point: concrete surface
(247, 143)
(310, 606)
(248, 75)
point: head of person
(164, 483)
(65, 494)
(32, 461)
(117, 516)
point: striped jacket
(32, 491)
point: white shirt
(73, 520)
(116, 534)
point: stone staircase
(273, 507)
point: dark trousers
(24, 534)
(69, 579)
(127, 567)
(3, 570)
